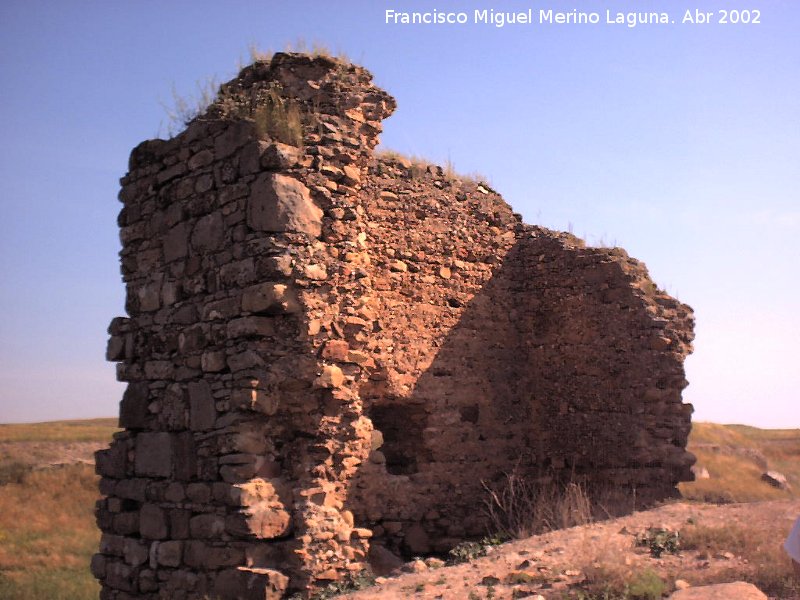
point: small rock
(724, 591)
(316, 272)
(682, 584)
(398, 266)
(776, 480)
(332, 172)
(352, 175)
(490, 580)
(331, 377)
(434, 563)
(525, 564)
(280, 156)
(415, 566)
(377, 457)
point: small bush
(353, 583)
(467, 551)
(660, 541)
(644, 585)
(184, 109)
(13, 472)
(519, 507)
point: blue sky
(679, 142)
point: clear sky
(679, 142)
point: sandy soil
(559, 559)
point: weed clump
(643, 585)
(659, 541)
(467, 551)
(13, 472)
(279, 118)
(519, 507)
(352, 583)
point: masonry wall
(326, 349)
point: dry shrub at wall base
(519, 507)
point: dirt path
(553, 563)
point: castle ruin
(329, 350)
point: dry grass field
(47, 530)
(736, 456)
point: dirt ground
(551, 564)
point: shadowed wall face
(326, 349)
(509, 348)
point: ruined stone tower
(327, 349)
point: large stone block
(236, 135)
(202, 412)
(133, 408)
(251, 327)
(153, 455)
(185, 453)
(176, 242)
(135, 552)
(270, 298)
(250, 584)
(208, 233)
(280, 204)
(279, 156)
(112, 461)
(153, 523)
(201, 555)
(722, 591)
(167, 554)
(207, 526)
(118, 576)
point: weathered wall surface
(325, 348)
(508, 346)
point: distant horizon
(116, 417)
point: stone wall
(328, 350)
